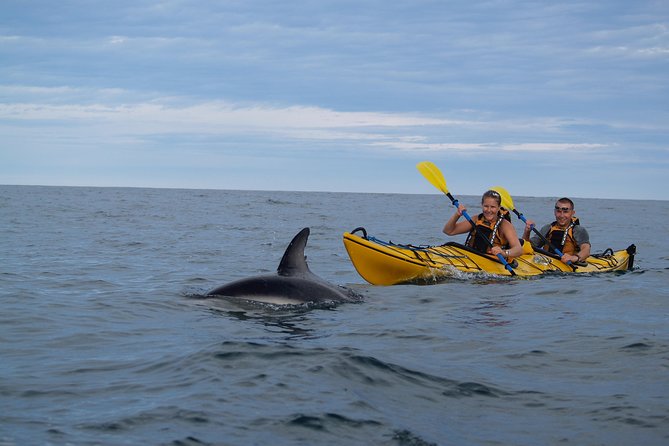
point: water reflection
(492, 312)
(288, 320)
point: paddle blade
(433, 175)
(507, 201)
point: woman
(493, 233)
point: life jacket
(477, 236)
(563, 239)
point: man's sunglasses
(558, 208)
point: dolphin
(293, 283)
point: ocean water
(106, 337)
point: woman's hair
(492, 194)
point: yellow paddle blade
(433, 175)
(507, 202)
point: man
(565, 233)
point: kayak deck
(387, 263)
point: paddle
(507, 202)
(436, 178)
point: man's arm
(536, 240)
(583, 241)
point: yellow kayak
(387, 263)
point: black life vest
(486, 234)
(563, 239)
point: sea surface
(107, 337)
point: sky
(543, 98)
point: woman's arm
(453, 226)
(515, 250)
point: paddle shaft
(501, 258)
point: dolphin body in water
(293, 283)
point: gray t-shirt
(580, 235)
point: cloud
(116, 112)
(303, 127)
(418, 146)
(552, 147)
(210, 117)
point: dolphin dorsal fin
(293, 261)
